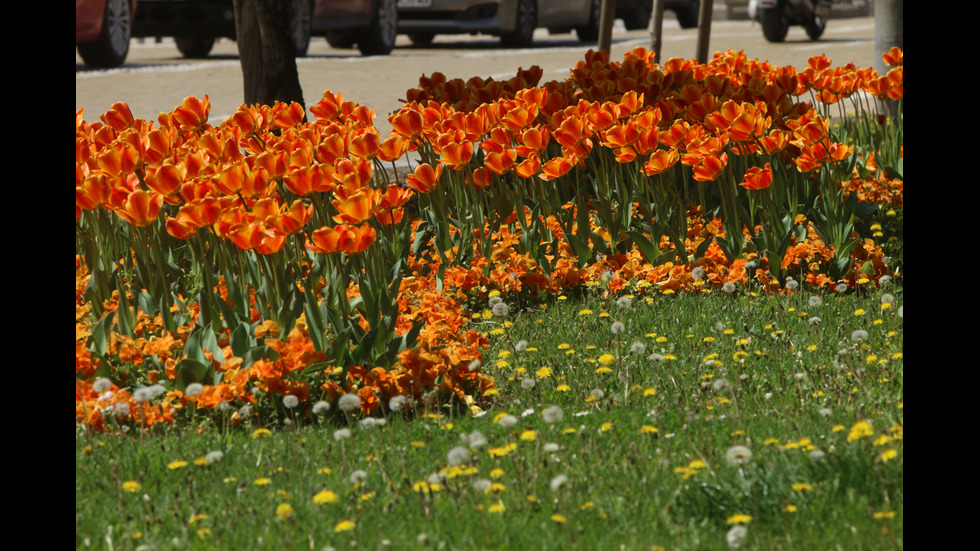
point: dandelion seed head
(476, 440)
(738, 455)
(482, 485)
(142, 394)
(194, 389)
(507, 421)
(494, 300)
(358, 476)
(551, 447)
(656, 357)
(341, 434)
(859, 335)
(101, 385)
(528, 383)
(826, 412)
(841, 288)
(900, 311)
(398, 403)
(728, 287)
(521, 345)
(817, 454)
(884, 280)
(458, 456)
(558, 481)
(698, 273)
(624, 302)
(815, 301)
(597, 394)
(500, 310)
(213, 456)
(887, 298)
(289, 401)
(321, 407)
(475, 365)
(792, 285)
(349, 402)
(122, 409)
(553, 414)
(617, 328)
(814, 321)
(736, 536)
(638, 348)
(721, 385)
(368, 423)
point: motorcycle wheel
(815, 28)
(774, 27)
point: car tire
(379, 37)
(688, 15)
(638, 17)
(301, 25)
(590, 32)
(814, 29)
(112, 46)
(422, 39)
(526, 21)
(194, 47)
(341, 40)
(774, 26)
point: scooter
(776, 16)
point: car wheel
(422, 39)
(194, 47)
(688, 15)
(815, 28)
(341, 40)
(590, 32)
(774, 27)
(638, 17)
(301, 25)
(112, 46)
(379, 37)
(526, 21)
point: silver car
(513, 21)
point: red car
(102, 31)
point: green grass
(641, 445)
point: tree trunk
(265, 47)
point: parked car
(513, 21)
(636, 13)
(102, 31)
(371, 25)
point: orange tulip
(893, 57)
(366, 145)
(332, 148)
(710, 167)
(425, 178)
(363, 237)
(482, 178)
(357, 207)
(407, 123)
(758, 178)
(141, 208)
(529, 167)
(193, 114)
(165, 179)
(661, 160)
(291, 219)
(501, 163)
(328, 107)
(557, 167)
(119, 116)
(456, 155)
(288, 116)
(327, 240)
(393, 148)
(94, 192)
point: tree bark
(265, 47)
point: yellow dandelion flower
(884, 515)
(131, 486)
(648, 429)
(261, 433)
(584, 312)
(603, 370)
(859, 312)
(324, 470)
(670, 357)
(789, 508)
(203, 532)
(502, 450)
(325, 496)
(497, 508)
(496, 488)
(263, 481)
(607, 359)
(649, 391)
(177, 464)
(560, 519)
(801, 487)
(888, 455)
(532, 499)
(739, 518)
(661, 339)
(544, 372)
(587, 505)
(284, 511)
(861, 429)
(606, 426)
(344, 526)
(529, 435)
(837, 428)
(201, 461)
(569, 430)
(563, 388)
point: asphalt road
(156, 78)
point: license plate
(414, 3)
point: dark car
(102, 31)
(371, 25)
(636, 13)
